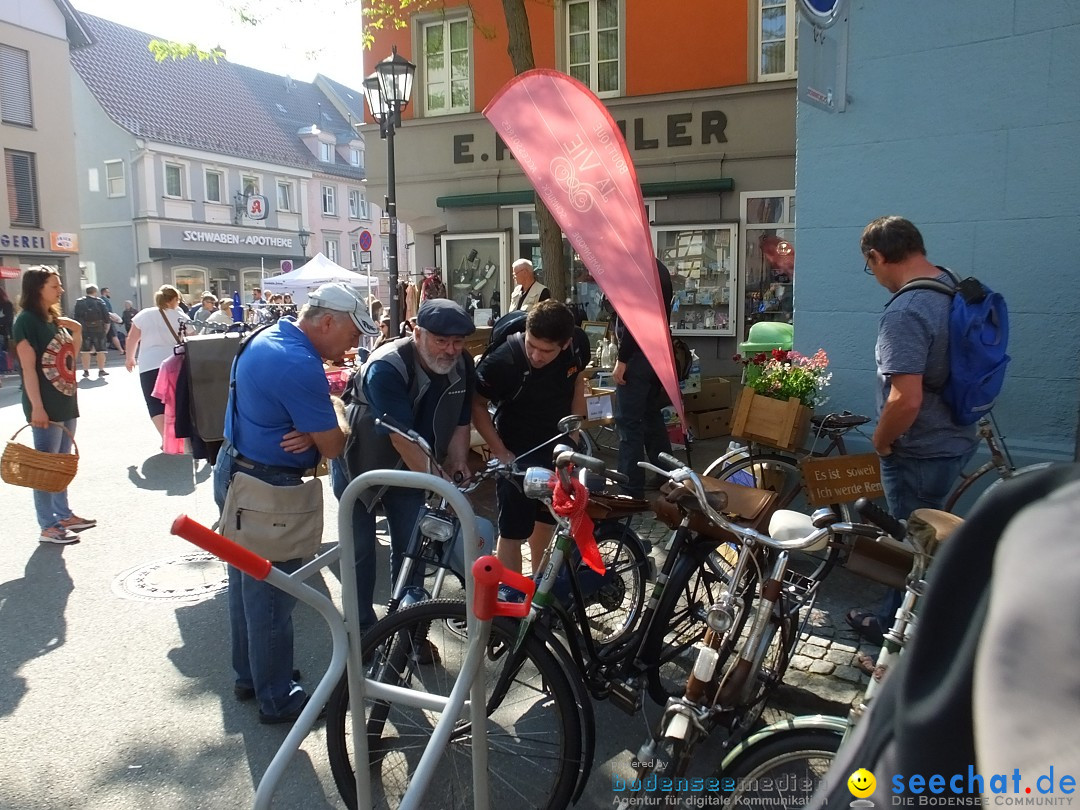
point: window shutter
(15, 86)
(22, 188)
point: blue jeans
(260, 615)
(639, 421)
(52, 507)
(402, 508)
(910, 484)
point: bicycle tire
(1026, 470)
(615, 608)
(537, 723)
(782, 475)
(797, 758)
(679, 620)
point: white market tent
(319, 270)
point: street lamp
(388, 90)
(304, 235)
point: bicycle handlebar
(692, 481)
(236, 555)
(879, 517)
(568, 457)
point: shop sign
(842, 479)
(64, 242)
(54, 241)
(222, 241)
(10, 272)
(255, 240)
(641, 134)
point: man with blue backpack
(941, 361)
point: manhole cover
(190, 578)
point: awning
(668, 188)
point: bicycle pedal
(626, 696)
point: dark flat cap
(443, 317)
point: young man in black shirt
(535, 379)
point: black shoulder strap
(521, 361)
(930, 284)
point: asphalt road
(115, 684)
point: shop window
(329, 204)
(213, 186)
(20, 171)
(114, 178)
(768, 249)
(701, 260)
(778, 43)
(15, 106)
(284, 196)
(174, 180)
(190, 281)
(447, 71)
(330, 245)
(594, 45)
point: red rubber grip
(247, 561)
(489, 574)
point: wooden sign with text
(842, 479)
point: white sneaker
(57, 536)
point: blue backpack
(978, 343)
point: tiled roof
(218, 107)
(352, 100)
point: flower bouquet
(780, 389)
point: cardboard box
(715, 393)
(709, 424)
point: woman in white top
(153, 334)
(223, 314)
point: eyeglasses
(866, 267)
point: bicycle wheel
(679, 621)
(782, 475)
(613, 609)
(781, 771)
(534, 728)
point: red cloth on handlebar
(573, 505)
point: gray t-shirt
(913, 338)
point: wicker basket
(24, 466)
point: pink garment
(165, 390)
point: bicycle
(751, 630)
(793, 755)
(430, 767)
(780, 471)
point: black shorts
(518, 515)
(148, 379)
(93, 341)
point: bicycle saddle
(838, 421)
(933, 527)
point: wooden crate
(774, 422)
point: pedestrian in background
(113, 336)
(639, 401)
(154, 332)
(45, 343)
(528, 291)
(92, 313)
(7, 318)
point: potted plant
(780, 390)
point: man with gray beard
(424, 381)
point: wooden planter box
(774, 422)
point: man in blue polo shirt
(278, 422)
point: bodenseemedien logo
(861, 784)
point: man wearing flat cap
(424, 381)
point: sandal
(869, 665)
(866, 624)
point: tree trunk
(519, 46)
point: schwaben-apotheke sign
(219, 240)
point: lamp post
(388, 90)
(304, 235)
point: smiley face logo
(861, 783)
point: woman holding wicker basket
(45, 343)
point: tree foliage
(164, 49)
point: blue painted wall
(964, 117)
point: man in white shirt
(528, 291)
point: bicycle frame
(345, 635)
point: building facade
(39, 213)
(203, 175)
(707, 111)
(963, 117)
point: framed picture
(596, 331)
